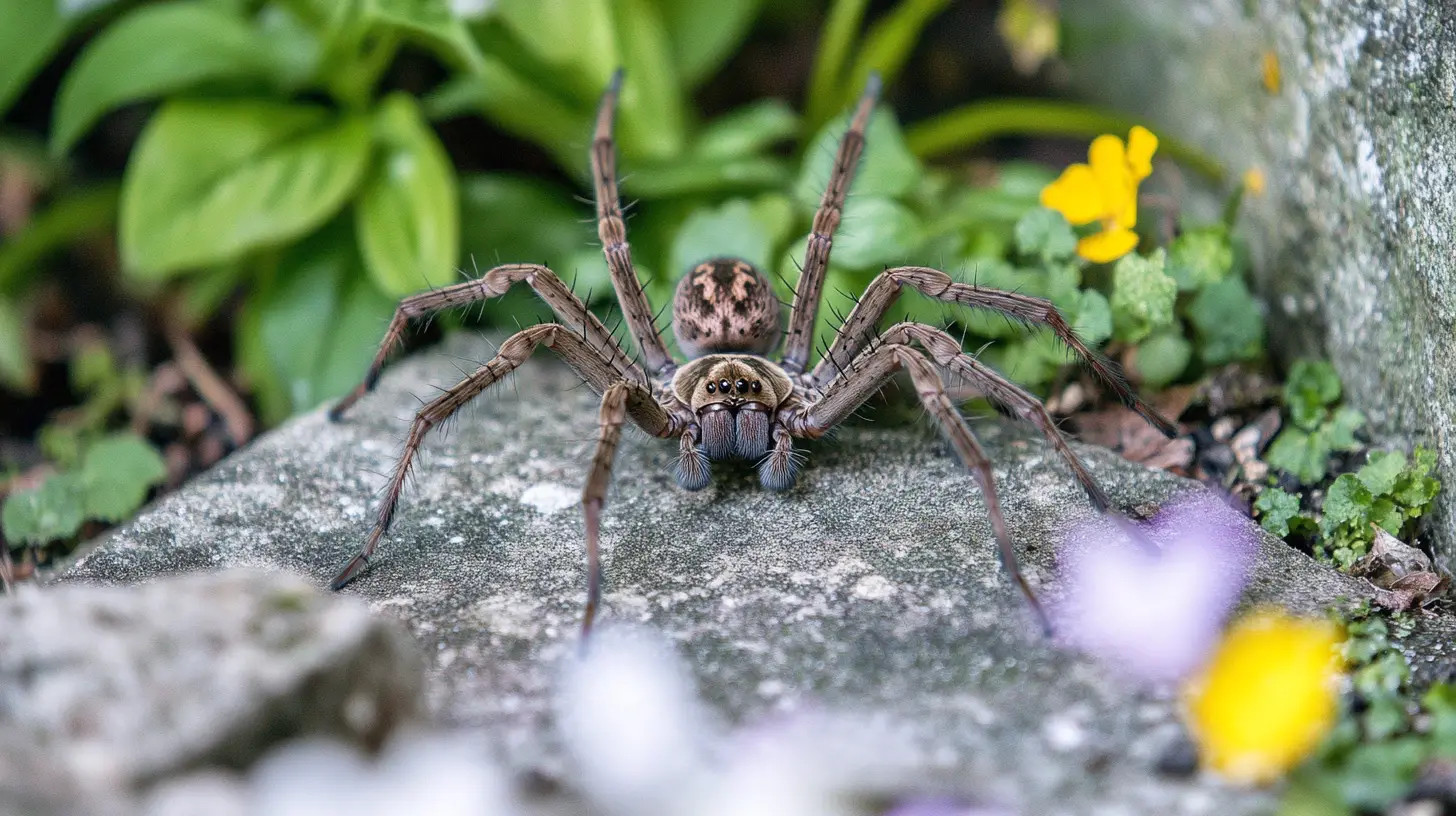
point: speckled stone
(116, 687)
(1353, 239)
(872, 586)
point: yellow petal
(1141, 145)
(1267, 697)
(1109, 165)
(1108, 245)
(1076, 195)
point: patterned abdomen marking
(725, 305)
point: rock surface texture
(871, 587)
(1353, 238)
(118, 687)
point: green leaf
(116, 474)
(360, 320)
(693, 175)
(159, 50)
(1312, 385)
(1093, 318)
(1142, 296)
(653, 120)
(1228, 322)
(519, 219)
(1045, 234)
(1163, 357)
(52, 511)
(210, 181)
(521, 106)
(1199, 257)
(747, 130)
(1303, 454)
(703, 35)
(576, 37)
(297, 308)
(432, 24)
(407, 216)
(887, 168)
(33, 31)
(875, 232)
(775, 213)
(888, 44)
(1348, 501)
(17, 370)
(841, 29)
(726, 231)
(77, 214)
(1276, 509)
(1342, 427)
(1381, 470)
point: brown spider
(729, 400)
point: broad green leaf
(156, 51)
(587, 274)
(1229, 323)
(1032, 361)
(516, 219)
(875, 232)
(520, 105)
(73, 216)
(703, 35)
(1303, 454)
(578, 37)
(431, 23)
(747, 130)
(52, 511)
(886, 169)
(1045, 234)
(888, 44)
(29, 37)
(693, 175)
(1163, 357)
(17, 371)
(408, 216)
(209, 181)
(727, 231)
(1093, 318)
(652, 121)
(1342, 427)
(1347, 501)
(1142, 296)
(297, 309)
(116, 474)
(362, 316)
(775, 213)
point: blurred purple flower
(1155, 616)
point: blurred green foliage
(278, 161)
(1318, 427)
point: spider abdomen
(726, 305)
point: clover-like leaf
(116, 474)
(53, 511)
(1229, 324)
(1200, 257)
(1045, 234)
(1312, 386)
(1162, 357)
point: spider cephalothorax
(730, 401)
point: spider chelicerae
(730, 400)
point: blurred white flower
(1155, 616)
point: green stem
(972, 125)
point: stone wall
(1354, 239)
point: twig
(211, 387)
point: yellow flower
(1105, 191)
(1267, 697)
(1254, 181)
(1270, 73)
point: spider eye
(757, 386)
(741, 385)
(724, 385)
(712, 388)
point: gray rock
(121, 686)
(872, 586)
(1352, 240)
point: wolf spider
(729, 400)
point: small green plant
(1385, 737)
(1389, 491)
(98, 474)
(1318, 427)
